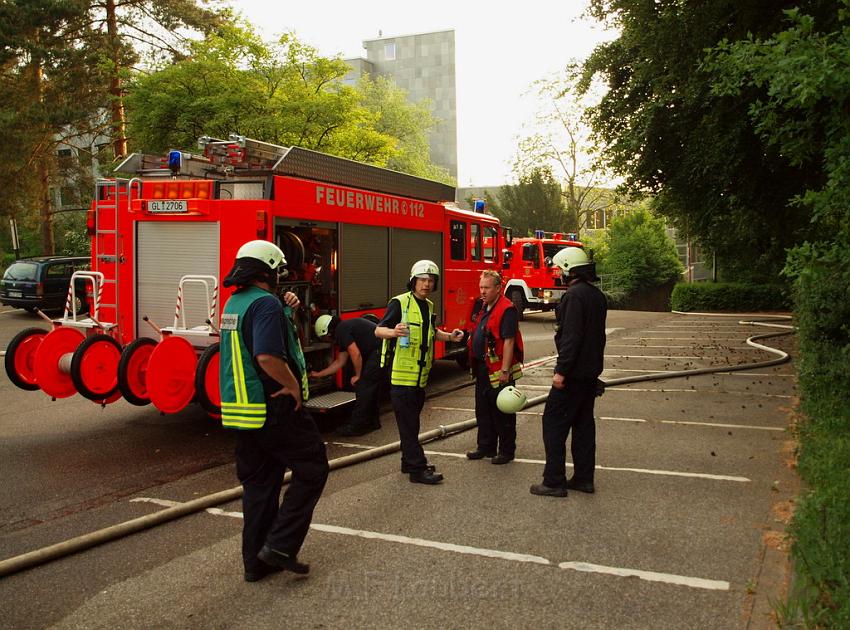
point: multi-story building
(424, 66)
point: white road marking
(641, 389)
(650, 356)
(618, 345)
(675, 338)
(725, 426)
(651, 576)
(645, 471)
(619, 419)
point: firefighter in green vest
(409, 331)
(263, 382)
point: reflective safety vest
(243, 400)
(494, 345)
(411, 365)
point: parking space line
(724, 426)
(670, 347)
(665, 357)
(733, 337)
(587, 567)
(651, 576)
(644, 471)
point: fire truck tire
(133, 369)
(94, 367)
(206, 381)
(518, 299)
(50, 361)
(171, 374)
(20, 357)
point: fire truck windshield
(550, 249)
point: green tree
(53, 87)
(284, 93)
(804, 73)
(668, 133)
(639, 253)
(535, 203)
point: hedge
(730, 296)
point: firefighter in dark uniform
(409, 331)
(495, 356)
(580, 341)
(355, 339)
(263, 384)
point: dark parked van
(42, 282)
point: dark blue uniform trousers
(570, 408)
(262, 457)
(496, 430)
(407, 404)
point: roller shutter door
(165, 253)
(363, 269)
(408, 246)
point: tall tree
(667, 133)
(53, 85)
(561, 141)
(156, 28)
(535, 203)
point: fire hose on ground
(120, 530)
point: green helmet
(570, 257)
(510, 400)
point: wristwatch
(505, 371)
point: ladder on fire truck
(110, 197)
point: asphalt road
(684, 531)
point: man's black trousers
(496, 430)
(366, 412)
(262, 457)
(407, 404)
(566, 409)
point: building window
(389, 52)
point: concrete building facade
(424, 66)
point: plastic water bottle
(404, 342)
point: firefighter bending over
(355, 339)
(263, 382)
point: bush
(730, 296)
(821, 526)
(640, 255)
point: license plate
(15, 294)
(168, 206)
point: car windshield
(21, 271)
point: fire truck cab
(163, 240)
(531, 280)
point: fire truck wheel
(94, 367)
(52, 368)
(133, 369)
(518, 299)
(206, 381)
(171, 374)
(20, 357)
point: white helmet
(570, 257)
(510, 400)
(264, 251)
(323, 325)
(424, 268)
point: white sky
(500, 50)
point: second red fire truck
(531, 280)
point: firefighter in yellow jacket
(263, 383)
(409, 331)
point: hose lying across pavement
(86, 541)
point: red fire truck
(163, 239)
(531, 281)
